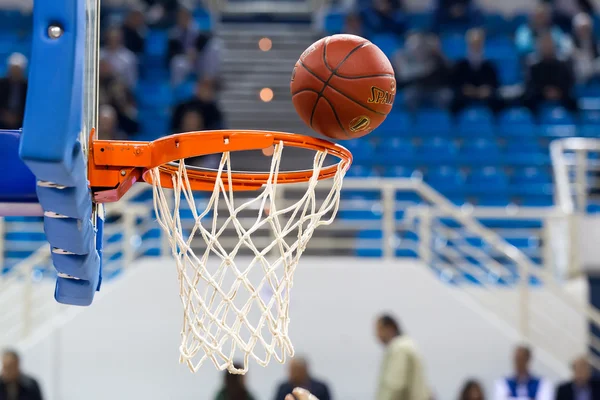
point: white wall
(126, 345)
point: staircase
(247, 70)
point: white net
(238, 312)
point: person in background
(234, 387)
(300, 394)
(204, 102)
(299, 376)
(14, 384)
(113, 92)
(383, 16)
(550, 80)
(162, 13)
(540, 22)
(134, 31)
(565, 10)
(472, 390)
(13, 93)
(454, 13)
(523, 384)
(423, 72)
(182, 37)
(402, 374)
(353, 25)
(474, 78)
(581, 386)
(203, 61)
(123, 61)
(108, 127)
(586, 53)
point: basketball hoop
(230, 310)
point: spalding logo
(380, 96)
(359, 124)
(307, 52)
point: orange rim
(114, 166)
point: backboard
(61, 113)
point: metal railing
(449, 238)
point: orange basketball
(343, 86)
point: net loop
(236, 308)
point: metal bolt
(55, 31)
(123, 172)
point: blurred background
(470, 215)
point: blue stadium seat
(496, 25)
(525, 152)
(396, 124)
(399, 172)
(480, 152)
(517, 122)
(476, 122)
(362, 149)
(509, 71)
(436, 151)
(447, 180)
(590, 124)
(395, 151)
(334, 22)
(488, 180)
(154, 123)
(388, 43)
(454, 46)
(361, 171)
(432, 122)
(184, 91)
(419, 21)
(557, 122)
(154, 94)
(203, 19)
(530, 182)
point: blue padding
(73, 202)
(50, 148)
(19, 184)
(73, 235)
(75, 292)
(81, 266)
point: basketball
(343, 86)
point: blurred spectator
(108, 126)
(13, 92)
(423, 72)
(565, 10)
(472, 390)
(402, 375)
(113, 92)
(234, 387)
(184, 34)
(540, 22)
(204, 102)
(123, 61)
(454, 13)
(192, 121)
(383, 16)
(15, 385)
(581, 386)
(299, 376)
(550, 79)
(134, 31)
(203, 61)
(475, 79)
(162, 13)
(586, 52)
(523, 384)
(354, 25)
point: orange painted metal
(114, 166)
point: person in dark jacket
(13, 92)
(234, 387)
(475, 79)
(550, 80)
(581, 386)
(299, 376)
(15, 385)
(204, 103)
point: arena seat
(557, 122)
(454, 46)
(432, 122)
(525, 152)
(476, 122)
(445, 179)
(487, 181)
(397, 123)
(388, 43)
(334, 22)
(437, 151)
(517, 123)
(530, 181)
(480, 152)
(394, 150)
(362, 150)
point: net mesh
(239, 310)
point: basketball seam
(337, 118)
(366, 76)
(326, 83)
(337, 90)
